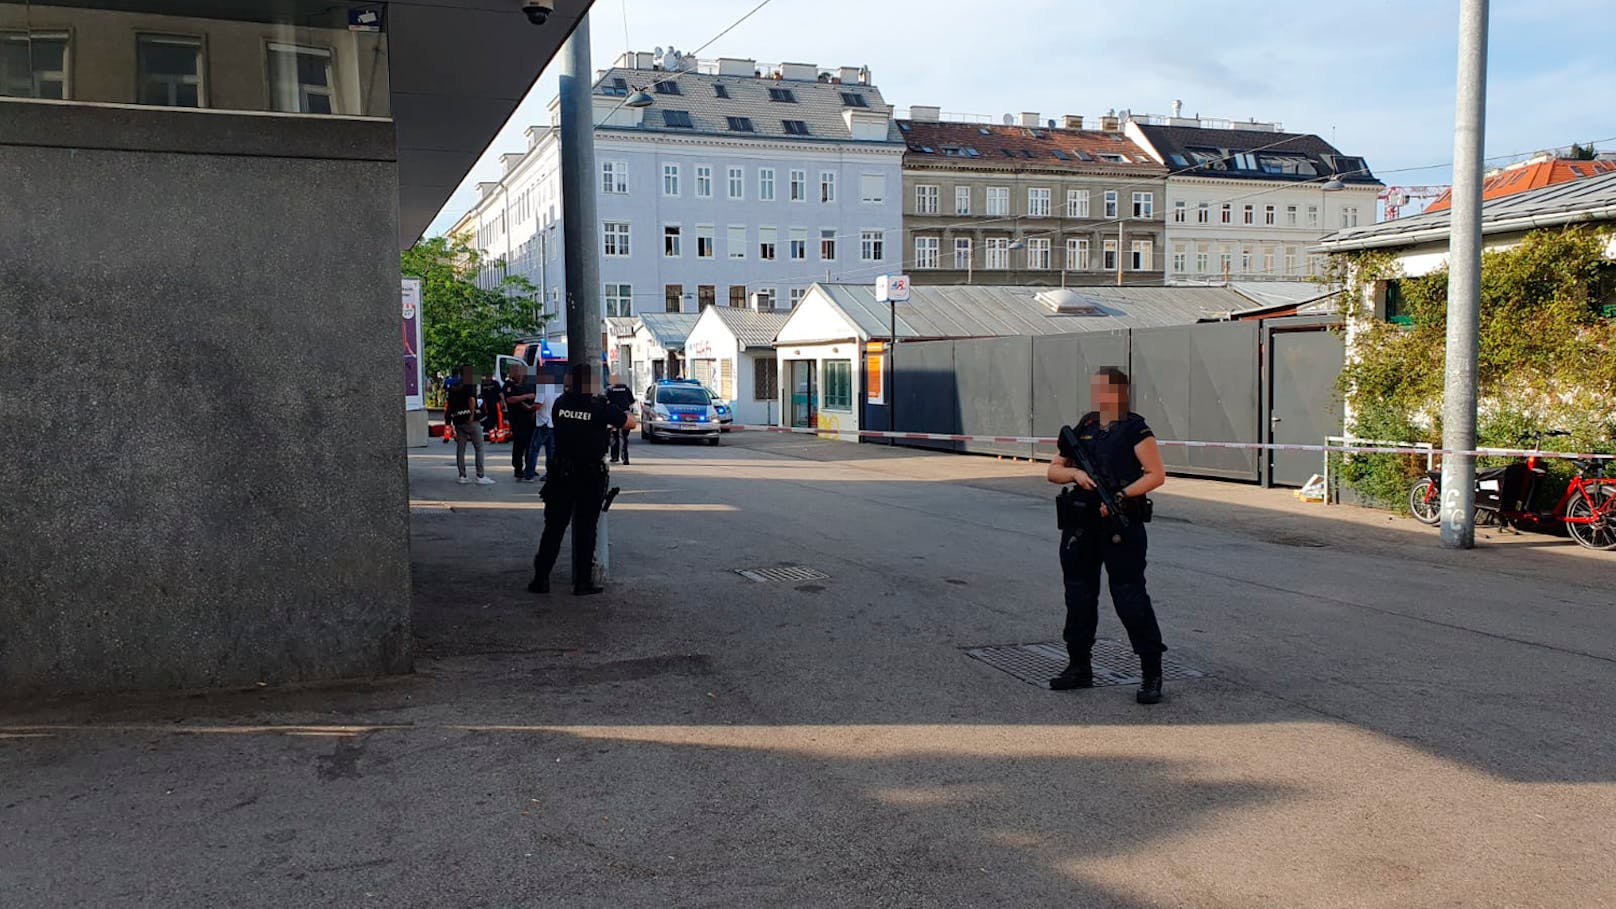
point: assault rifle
(1102, 484)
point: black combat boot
(538, 585)
(587, 590)
(1079, 673)
(1150, 687)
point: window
(720, 91)
(704, 241)
(1312, 216)
(853, 99)
(766, 184)
(872, 245)
(799, 243)
(1203, 213)
(619, 300)
(677, 119)
(998, 200)
(998, 249)
(1269, 215)
(838, 384)
(926, 199)
(1142, 255)
(672, 247)
(1038, 256)
(737, 296)
(670, 179)
(1077, 254)
(795, 294)
(1180, 258)
(827, 244)
(1225, 260)
(300, 79)
(737, 183)
(962, 200)
(1037, 203)
(668, 87)
(1245, 260)
(34, 65)
(614, 177)
(766, 243)
(617, 88)
(170, 72)
(737, 241)
(706, 295)
(673, 297)
(704, 181)
(799, 186)
(795, 127)
(615, 234)
(1180, 212)
(1110, 203)
(1290, 259)
(1226, 214)
(1109, 255)
(1267, 261)
(740, 124)
(827, 186)
(1144, 205)
(1290, 216)
(765, 379)
(1202, 258)
(962, 252)
(928, 252)
(1077, 203)
(872, 188)
(1349, 216)
(766, 297)
(783, 95)
(1249, 214)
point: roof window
(782, 94)
(720, 90)
(668, 87)
(617, 87)
(678, 119)
(795, 127)
(854, 99)
(740, 124)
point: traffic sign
(892, 289)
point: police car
(679, 409)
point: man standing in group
(519, 401)
(622, 397)
(460, 411)
(577, 483)
(543, 428)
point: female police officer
(1122, 450)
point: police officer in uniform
(577, 482)
(1122, 449)
(622, 397)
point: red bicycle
(1505, 495)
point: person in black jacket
(622, 397)
(1122, 449)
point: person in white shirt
(544, 428)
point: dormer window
(720, 91)
(795, 127)
(854, 99)
(740, 124)
(783, 95)
(668, 87)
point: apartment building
(1029, 203)
(739, 179)
(1246, 201)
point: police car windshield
(682, 394)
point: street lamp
(640, 98)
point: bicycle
(1505, 495)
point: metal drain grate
(1036, 664)
(786, 573)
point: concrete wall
(203, 477)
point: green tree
(460, 321)
(1583, 152)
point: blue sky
(1374, 76)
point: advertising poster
(414, 378)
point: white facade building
(1247, 201)
(737, 180)
(732, 352)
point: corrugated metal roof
(1593, 198)
(621, 326)
(753, 328)
(981, 311)
(669, 329)
(817, 104)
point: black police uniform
(522, 424)
(577, 484)
(622, 397)
(1089, 544)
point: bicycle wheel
(1422, 504)
(1601, 533)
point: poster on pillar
(414, 378)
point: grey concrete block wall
(202, 482)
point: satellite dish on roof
(1008, 120)
(659, 53)
(1051, 123)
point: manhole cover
(1036, 664)
(788, 573)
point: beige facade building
(1029, 204)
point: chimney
(925, 113)
(1109, 123)
(1072, 121)
(848, 74)
(1178, 109)
(736, 66)
(1029, 119)
(801, 72)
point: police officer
(577, 481)
(1122, 449)
(622, 397)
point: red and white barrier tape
(1262, 446)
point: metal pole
(892, 369)
(1464, 281)
(581, 224)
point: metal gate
(1303, 406)
(1200, 382)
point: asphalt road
(1381, 723)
